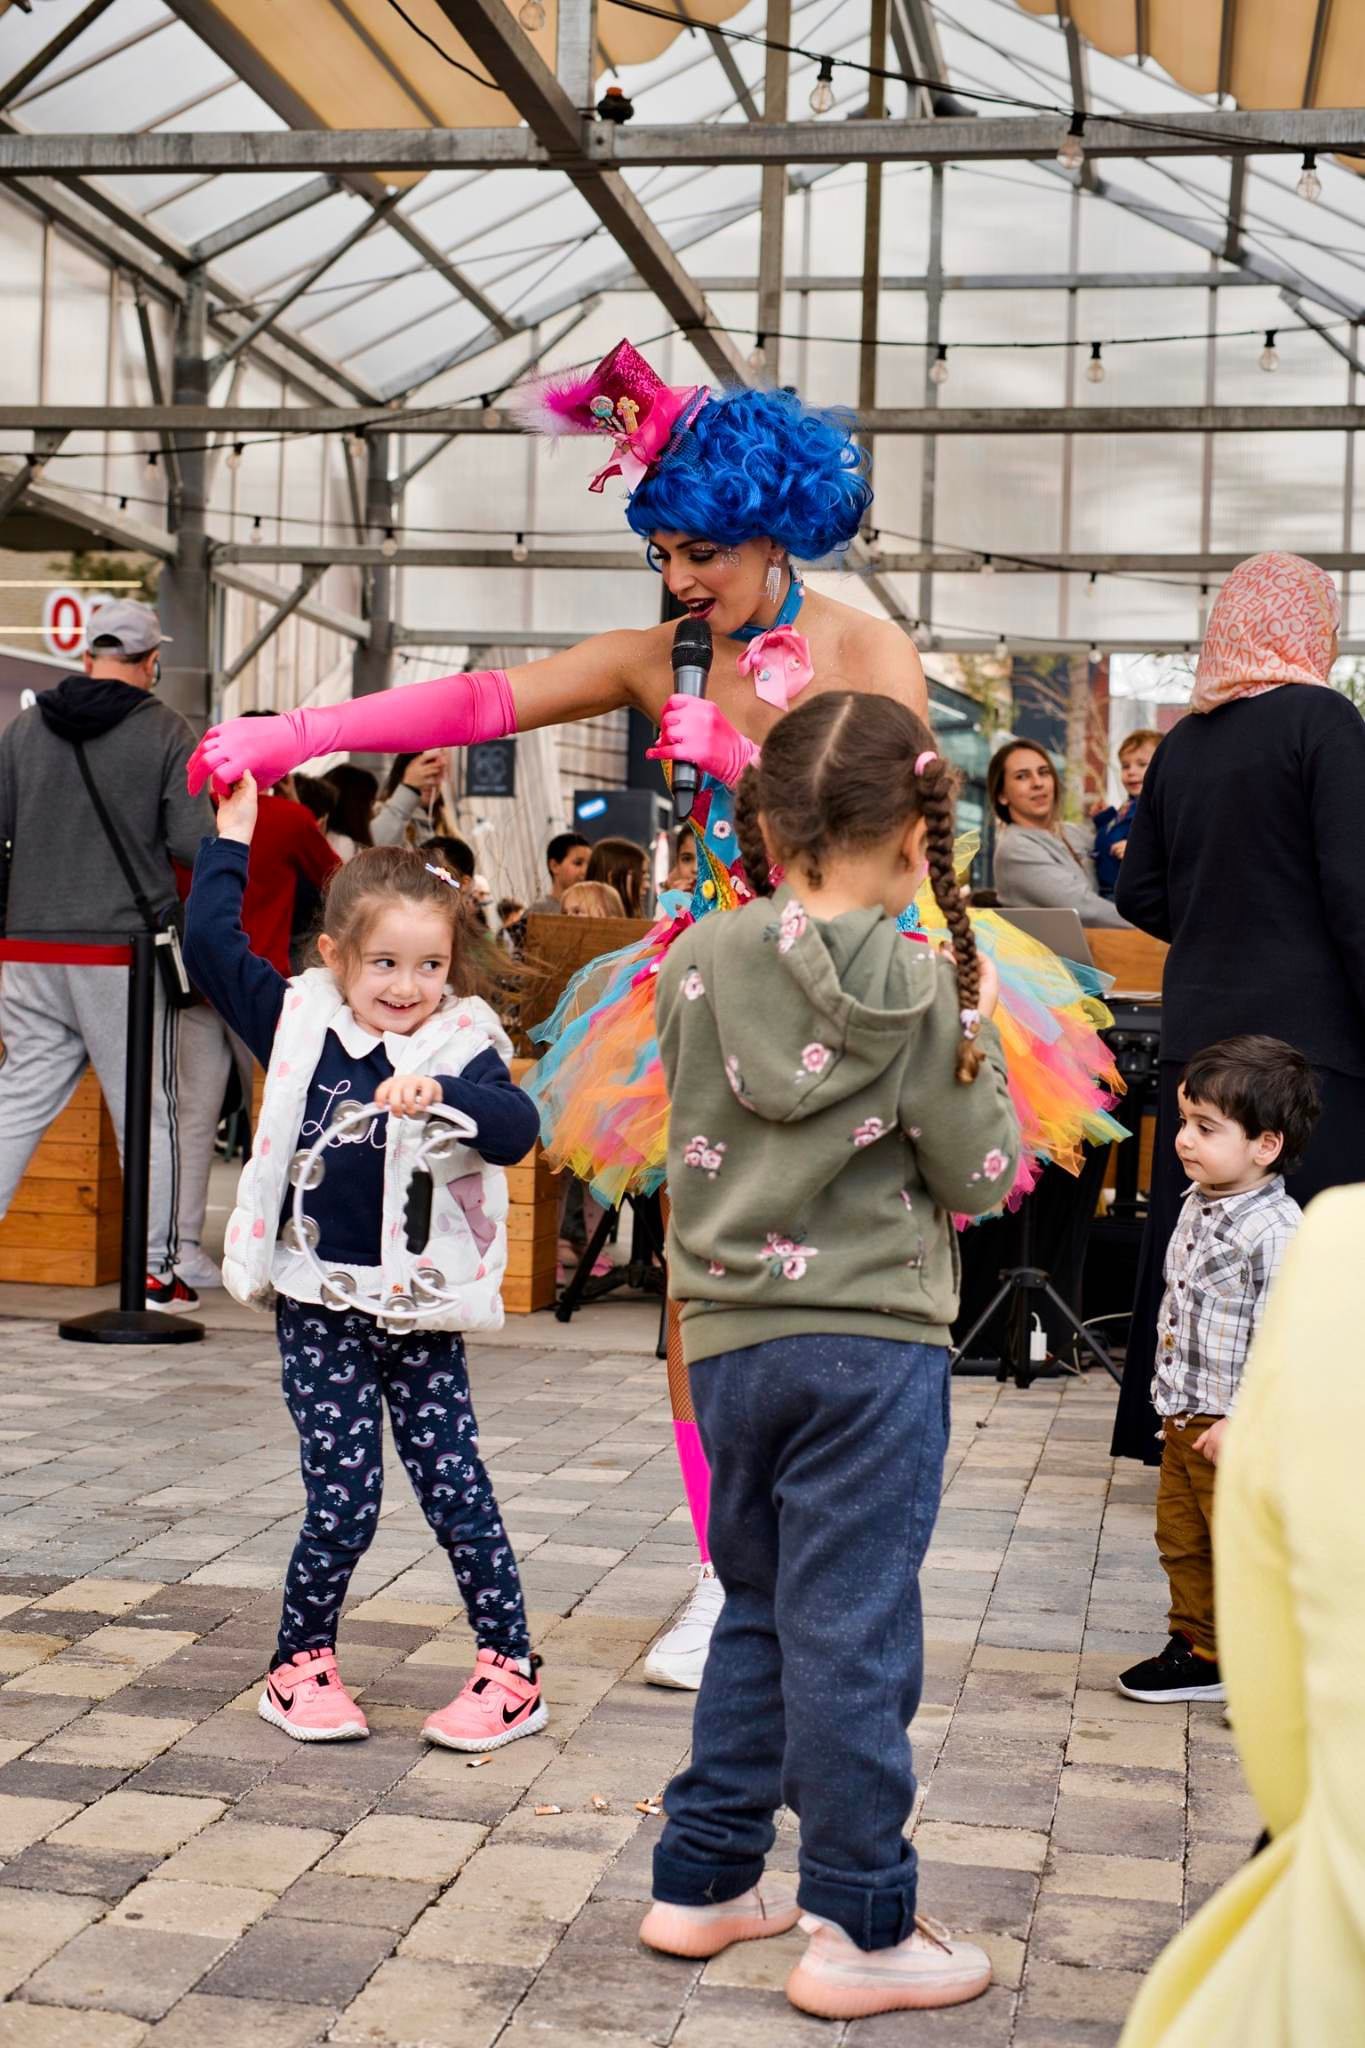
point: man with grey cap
(62, 882)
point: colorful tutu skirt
(600, 1083)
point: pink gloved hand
(692, 729)
(452, 711)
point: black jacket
(1247, 853)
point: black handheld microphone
(691, 667)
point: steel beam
(509, 56)
(1080, 88)
(773, 202)
(1232, 250)
(303, 282)
(234, 575)
(285, 609)
(885, 561)
(20, 80)
(576, 49)
(248, 225)
(951, 419)
(154, 384)
(185, 595)
(532, 637)
(606, 148)
(437, 260)
(993, 281)
(107, 526)
(15, 487)
(372, 661)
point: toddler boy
(1248, 1107)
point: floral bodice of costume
(778, 660)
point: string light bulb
(531, 15)
(36, 466)
(123, 504)
(256, 531)
(758, 354)
(1094, 369)
(822, 92)
(388, 547)
(874, 542)
(938, 369)
(520, 551)
(1310, 184)
(1094, 653)
(1270, 355)
(357, 444)
(489, 412)
(1071, 153)
(1002, 647)
(152, 466)
(234, 459)
(1092, 582)
(987, 565)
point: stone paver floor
(177, 1874)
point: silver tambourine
(445, 1131)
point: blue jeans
(340, 1369)
(826, 1460)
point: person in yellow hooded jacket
(1276, 1959)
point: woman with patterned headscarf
(1246, 855)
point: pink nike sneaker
(770, 1908)
(307, 1699)
(497, 1706)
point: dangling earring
(772, 582)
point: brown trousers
(1184, 1528)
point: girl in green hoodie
(838, 1092)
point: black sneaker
(1177, 1674)
(167, 1291)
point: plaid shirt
(1224, 1253)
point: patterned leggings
(339, 1369)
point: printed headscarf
(1275, 621)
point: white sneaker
(837, 1980)
(197, 1269)
(679, 1657)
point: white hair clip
(442, 875)
(971, 1022)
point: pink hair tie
(923, 762)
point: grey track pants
(53, 1020)
(207, 1051)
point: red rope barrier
(58, 953)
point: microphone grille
(692, 644)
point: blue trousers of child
(340, 1369)
(826, 1458)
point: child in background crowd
(389, 1017)
(624, 867)
(814, 1165)
(593, 899)
(1248, 1107)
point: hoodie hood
(811, 1013)
(83, 707)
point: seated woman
(1041, 863)
(1113, 824)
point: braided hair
(844, 771)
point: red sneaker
(307, 1699)
(497, 1706)
(172, 1295)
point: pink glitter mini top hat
(622, 397)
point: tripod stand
(1021, 1287)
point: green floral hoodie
(819, 1141)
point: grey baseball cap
(123, 628)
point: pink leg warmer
(696, 1475)
(452, 711)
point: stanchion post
(132, 1322)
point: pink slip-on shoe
(770, 1908)
(498, 1705)
(307, 1699)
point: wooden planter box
(532, 1228)
(65, 1222)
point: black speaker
(636, 814)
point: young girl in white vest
(391, 1017)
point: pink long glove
(692, 729)
(452, 711)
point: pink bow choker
(780, 664)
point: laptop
(1060, 930)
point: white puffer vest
(469, 1212)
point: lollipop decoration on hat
(622, 397)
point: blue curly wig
(760, 462)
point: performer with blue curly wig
(729, 491)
